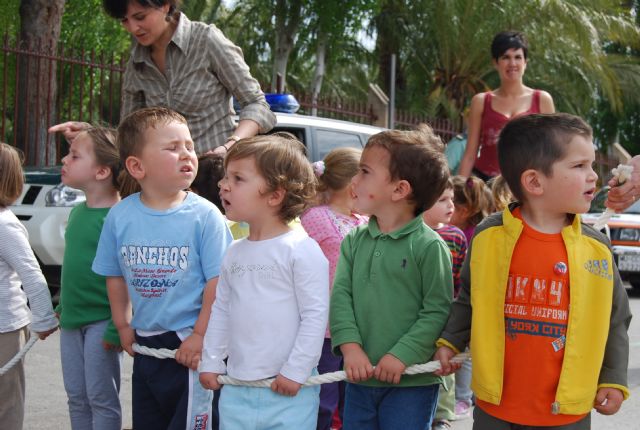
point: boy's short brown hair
(12, 177)
(130, 135)
(417, 157)
(536, 142)
(131, 139)
(281, 160)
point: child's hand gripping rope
(621, 174)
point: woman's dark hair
(506, 40)
(118, 8)
(210, 172)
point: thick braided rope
(325, 378)
(621, 173)
(16, 358)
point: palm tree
(448, 59)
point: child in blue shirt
(161, 250)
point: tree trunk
(318, 75)
(40, 22)
(287, 22)
(388, 42)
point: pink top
(328, 228)
(490, 126)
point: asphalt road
(46, 406)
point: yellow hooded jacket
(597, 346)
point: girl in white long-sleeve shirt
(18, 267)
(272, 299)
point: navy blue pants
(166, 394)
(329, 393)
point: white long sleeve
(18, 266)
(271, 309)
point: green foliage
(584, 52)
(86, 26)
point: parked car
(624, 231)
(45, 202)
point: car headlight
(629, 235)
(63, 196)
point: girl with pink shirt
(328, 223)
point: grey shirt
(203, 69)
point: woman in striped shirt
(190, 67)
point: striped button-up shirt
(203, 69)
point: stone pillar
(378, 102)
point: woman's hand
(69, 129)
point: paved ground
(46, 406)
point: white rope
(621, 173)
(16, 358)
(325, 378)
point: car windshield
(597, 205)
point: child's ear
(402, 190)
(276, 197)
(134, 167)
(532, 183)
(103, 172)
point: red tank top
(490, 126)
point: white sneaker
(463, 410)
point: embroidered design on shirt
(558, 343)
(599, 268)
(263, 271)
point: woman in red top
(491, 110)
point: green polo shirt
(392, 294)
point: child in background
(161, 251)
(328, 224)
(393, 286)
(438, 218)
(473, 202)
(20, 280)
(270, 313)
(206, 184)
(500, 192)
(210, 172)
(89, 344)
(550, 315)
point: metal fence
(43, 86)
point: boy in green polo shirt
(393, 285)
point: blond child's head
(272, 167)
(134, 134)
(335, 172)
(500, 192)
(401, 167)
(11, 175)
(93, 156)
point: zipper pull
(555, 408)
